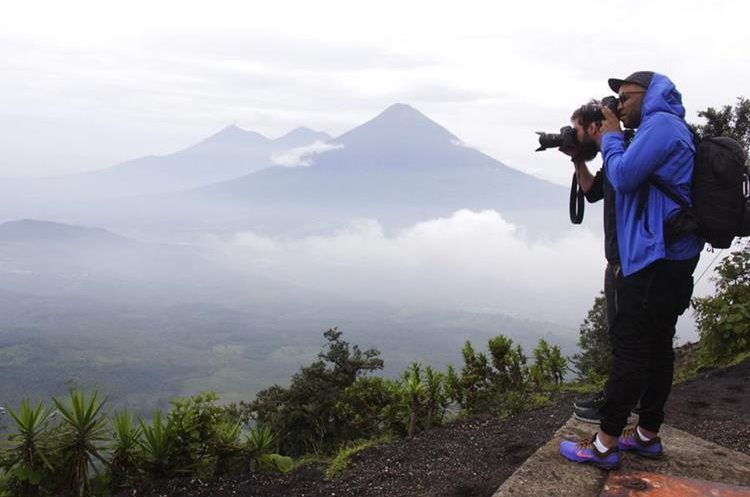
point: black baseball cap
(640, 78)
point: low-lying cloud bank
(471, 260)
(303, 156)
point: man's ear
(593, 128)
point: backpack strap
(665, 189)
(669, 192)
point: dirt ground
(473, 457)
(715, 406)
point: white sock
(643, 437)
(599, 445)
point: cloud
(470, 260)
(303, 156)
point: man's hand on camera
(610, 124)
(572, 152)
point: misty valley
(219, 267)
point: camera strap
(576, 201)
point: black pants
(648, 305)
(610, 295)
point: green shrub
(194, 423)
(370, 407)
(723, 319)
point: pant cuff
(611, 429)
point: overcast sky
(86, 85)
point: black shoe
(589, 415)
(594, 402)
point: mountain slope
(400, 164)
(399, 168)
(46, 232)
(230, 153)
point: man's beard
(587, 150)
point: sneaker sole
(631, 419)
(586, 420)
(613, 467)
(644, 454)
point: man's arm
(591, 185)
(628, 168)
(584, 176)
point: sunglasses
(625, 96)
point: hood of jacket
(662, 96)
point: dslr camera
(566, 139)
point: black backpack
(720, 194)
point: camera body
(566, 139)
(567, 142)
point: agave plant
(414, 390)
(84, 433)
(27, 460)
(436, 397)
(156, 446)
(259, 443)
(227, 449)
(126, 435)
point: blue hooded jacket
(663, 148)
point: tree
(727, 121)
(595, 359)
(305, 415)
(348, 363)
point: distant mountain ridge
(400, 167)
(230, 153)
(34, 231)
(398, 164)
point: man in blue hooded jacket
(654, 281)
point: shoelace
(587, 444)
(629, 432)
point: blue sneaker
(629, 441)
(586, 452)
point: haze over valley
(219, 266)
